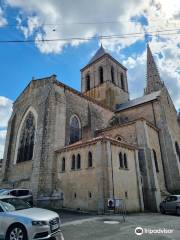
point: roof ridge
(99, 53)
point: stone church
(89, 146)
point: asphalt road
(85, 227)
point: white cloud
(2, 141)
(5, 112)
(64, 13)
(38, 19)
(167, 64)
(2, 18)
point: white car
(24, 194)
(20, 221)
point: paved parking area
(89, 227)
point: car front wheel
(16, 232)
(162, 210)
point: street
(87, 227)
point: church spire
(154, 82)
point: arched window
(90, 164)
(121, 160)
(112, 74)
(125, 161)
(101, 75)
(73, 162)
(122, 81)
(88, 82)
(177, 150)
(155, 161)
(26, 140)
(63, 167)
(78, 161)
(75, 129)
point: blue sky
(45, 19)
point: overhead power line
(165, 32)
(98, 22)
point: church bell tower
(105, 80)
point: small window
(13, 193)
(112, 74)
(171, 199)
(90, 195)
(118, 138)
(126, 194)
(78, 161)
(122, 81)
(101, 75)
(90, 159)
(125, 161)
(174, 198)
(73, 163)
(155, 161)
(63, 165)
(88, 82)
(177, 150)
(75, 195)
(62, 195)
(120, 160)
(22, 193)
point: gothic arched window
(88, 82)
(122, 81)
(78, 161)
(101, 75)
(90, 164)
(26, 140)
(125, 161)
(121, 165)
(75, 129)
(112, 74)
(177, 150)
(155, 161)
(73, 162)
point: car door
(170, 203)
(173, 204)
(2, 227)
(1, 219)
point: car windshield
(14, 204)
(2, 191)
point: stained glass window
(75, 130)
(26, 140)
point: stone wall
(102, 181)
(53, 103)
(154, 144)
(91, 116)
(108, 93)
(33, 96)
(76, 185)
(126, 185)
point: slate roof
(138, 101)
(100, 52)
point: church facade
(89, 146)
